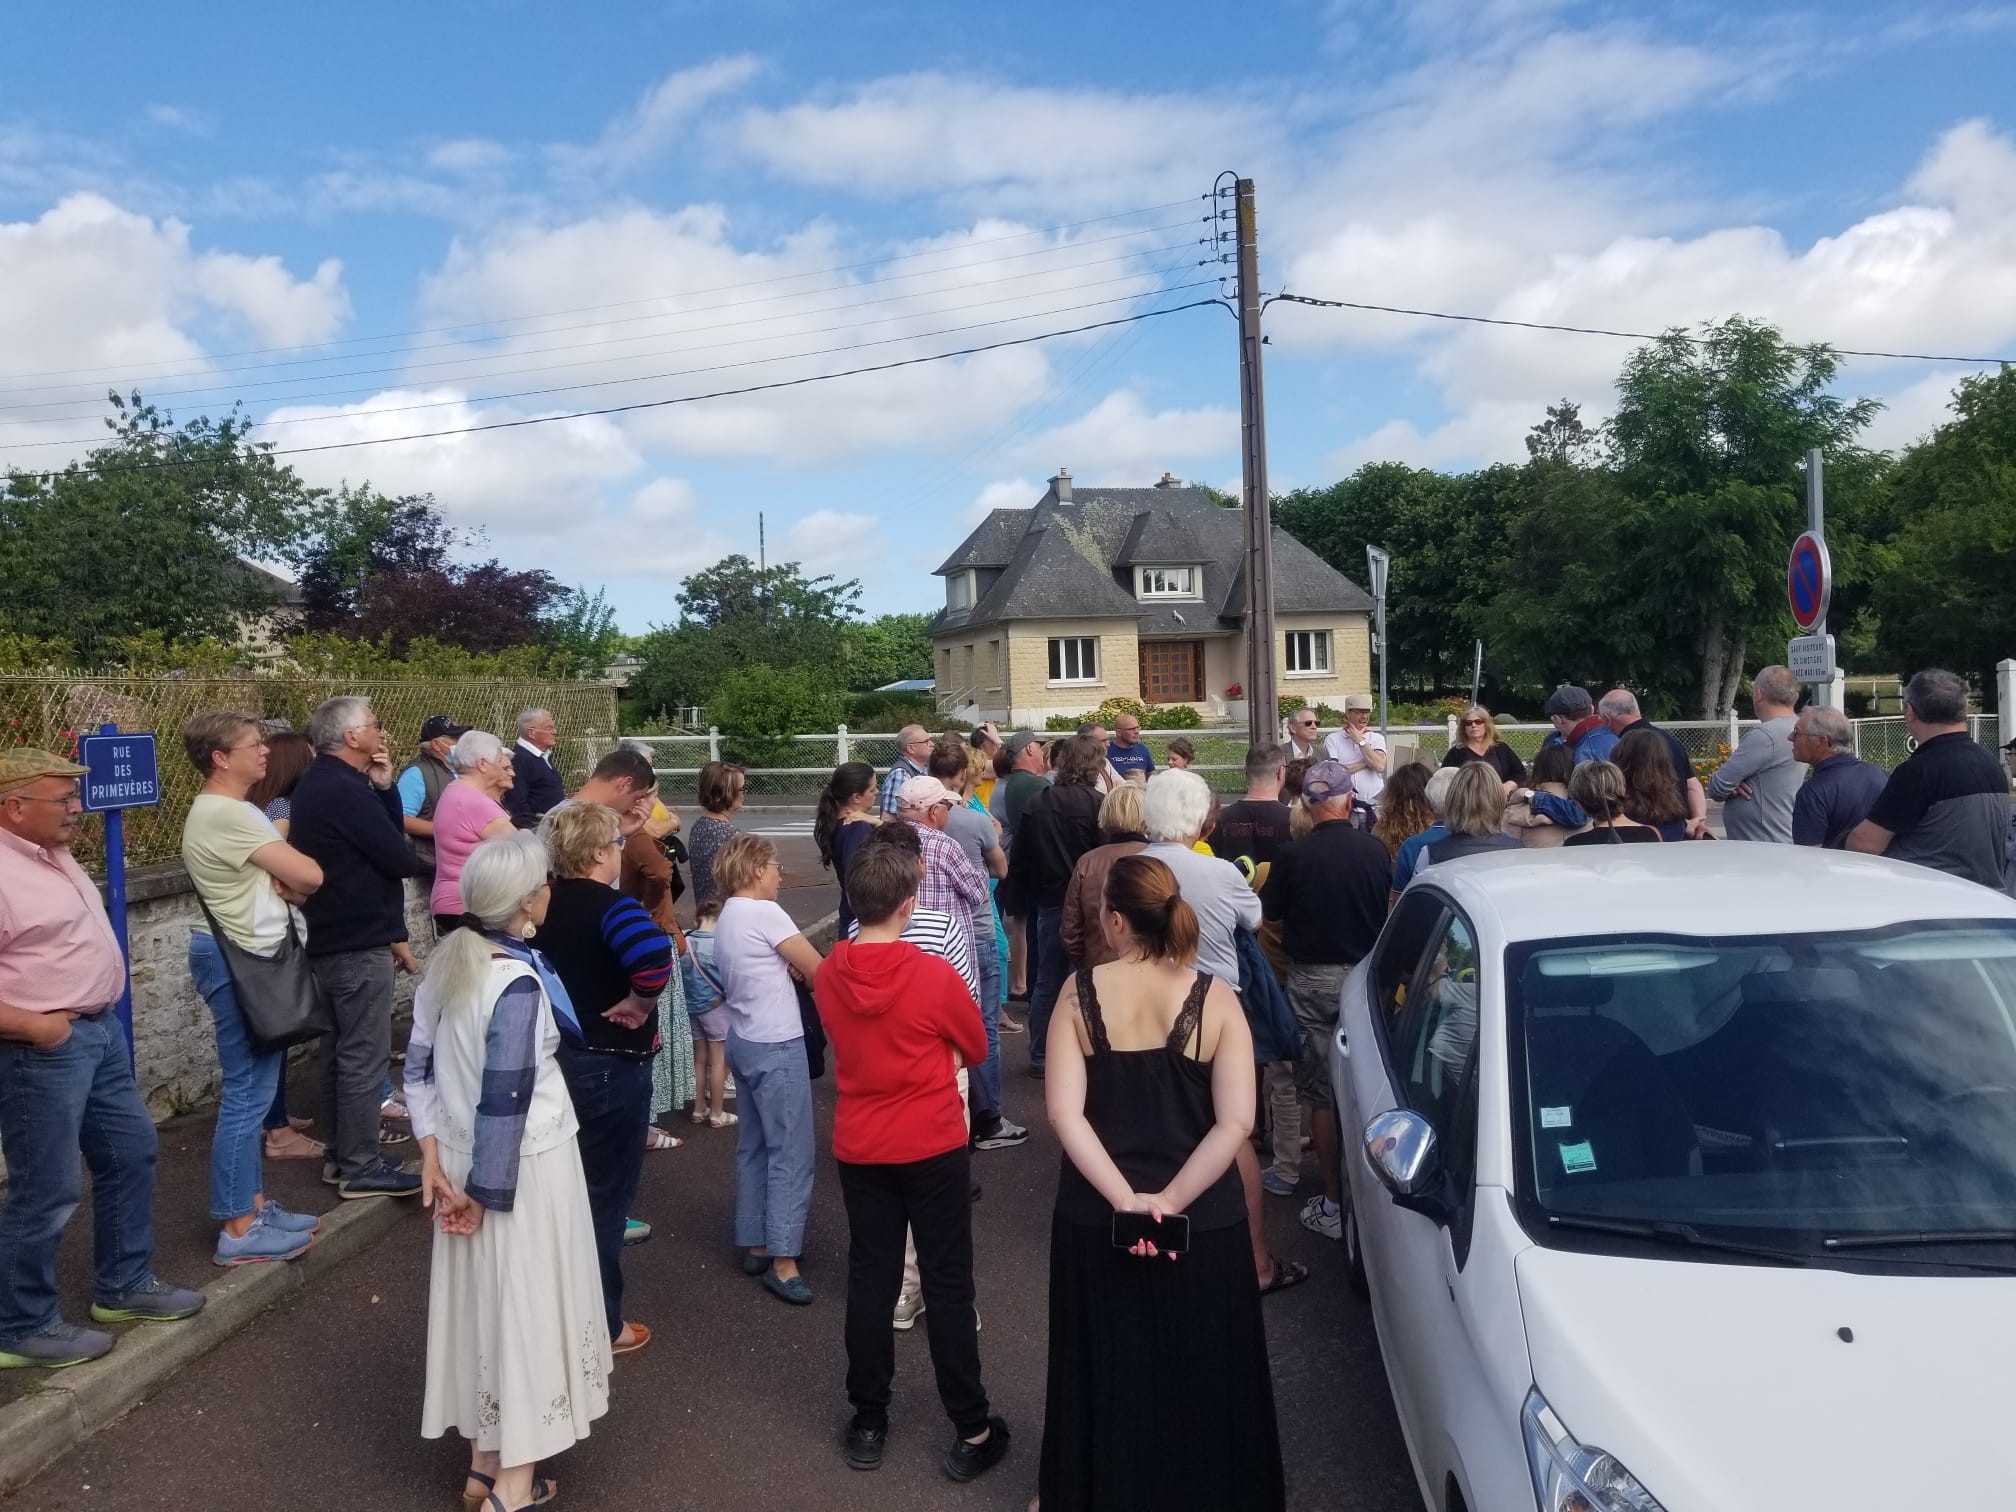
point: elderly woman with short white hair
(470, 811)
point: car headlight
(1573, 1477)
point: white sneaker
(909, 1308)
(1322, 1216)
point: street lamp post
(1377, 561)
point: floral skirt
(672, 1081)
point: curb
(53, 1418)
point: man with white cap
(66, 1084)
(953, 881)
(1362, 749)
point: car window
(1436, 1031)
(1402, 945)
(1809, 1091)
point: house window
(959, 591)
(1074, 659)
(1165, 582)
(1308, 653)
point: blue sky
(262, 206)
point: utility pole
(1263, 713)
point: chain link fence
(50, 713)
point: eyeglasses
(1473, 724)
(66, 800)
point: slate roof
(1075, 559)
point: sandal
(643, 1338)
(722, 1120)
(292, 1144)
(1287, 1273)
(699, 1114)
(391, 1134)
(656, 1138)
(543, 1491)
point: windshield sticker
(1557, 1118)
(1577, 1158)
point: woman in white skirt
(517, 1345)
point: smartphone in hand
(1171, 1236)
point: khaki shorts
(1314, 992)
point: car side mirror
(1403, 1151)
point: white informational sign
(1811, 658)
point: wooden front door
(1172, 672)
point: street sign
(124, 773)
(1811, 658)
(1809, 581)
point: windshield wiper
(1678, 1234)
(1914, 1238)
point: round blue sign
(1809, 581)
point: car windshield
(1825, 1093)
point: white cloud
(664, 114)
(1002, 493)
(836, 541)
(467, 155)
(179, 118)
(1121, 443)
(928, 133)
(95, 296)
(540, 478)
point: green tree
(153, 533)
(736, 614)
(1708, 440)
(886, 649)
(1948, 596)
(759, 708)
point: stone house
(1095, 593)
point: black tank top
(1150, 1108)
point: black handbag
(280, 1000)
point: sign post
(1377, 561)
(122, 772)
(1809, 586)
(1476, 673)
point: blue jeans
(250, 1080)
(984, 1084)
(1051, 969)
(81, 1095)
(612, 1101)
(773, 1146)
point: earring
(529, 930)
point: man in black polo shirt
(1947, 806)
(1329, 892)
(1619, 708)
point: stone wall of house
(1031, 696)
(1350, 657)
(174, 1046)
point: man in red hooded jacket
(894, 1017)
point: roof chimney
(1061, 485)
(1168, 481)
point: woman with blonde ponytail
(517, 1344)
(1159, 1392)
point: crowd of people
(1180, 964)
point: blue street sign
(124, 772)
(1809, 581)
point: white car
(1687, 1180)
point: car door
(1426, 1041)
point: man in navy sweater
(347, 817)
(535, 783)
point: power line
(101, 374)
(1574, 330)
(615, 341)
(569, 388)
(647, 404)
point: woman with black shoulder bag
(247, 958)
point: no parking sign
(1809, 581)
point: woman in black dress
(1159, 1392)
(1477, 740)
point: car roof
(1710, 887)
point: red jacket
(893, 1016)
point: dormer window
(1166, 583)
(959, 590)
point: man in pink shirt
(65, 1084)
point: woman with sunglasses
(1477, 740)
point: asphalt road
(737, 1404)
